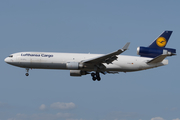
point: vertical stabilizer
(161, 41)
(157, 47)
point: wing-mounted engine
(77, 72)
(154, 52)
(74, 65)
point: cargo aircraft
(82, 64)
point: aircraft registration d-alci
(82, 64)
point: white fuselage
(49, 60)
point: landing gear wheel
(94, 78)
(98, 79)
(27, 70)
(27, 74)
(98, 76)
(93, 74)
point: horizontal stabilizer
(157, 59)
(160, 58)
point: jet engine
(154, 52)
(73, 65)
(77, 73)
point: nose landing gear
(27, 73)
(96, 76)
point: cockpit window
(11, 56)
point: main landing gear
(96, 76)
(27, 73)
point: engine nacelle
(77, 72)
(153, 52)
(72, 65)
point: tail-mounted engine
(154, 52)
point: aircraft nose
(7, 60)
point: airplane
(82, 64)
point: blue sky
(96, 26)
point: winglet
(126, 46)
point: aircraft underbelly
(47, 65)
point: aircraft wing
(108, 58)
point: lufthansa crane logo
(161, 41)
